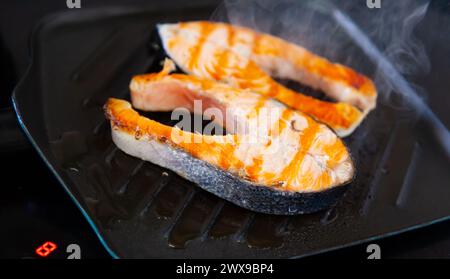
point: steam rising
(313, 24)
(377, 42)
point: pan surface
(140, 210)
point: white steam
(313, 24)
(377, 42)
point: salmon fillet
(283, 162)
(247, 59)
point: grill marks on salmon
(210, 165)
(247, 59)
(287, 152)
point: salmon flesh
(246, 59)
(273, 159)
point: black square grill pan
(140, 210)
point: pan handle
(11, 136)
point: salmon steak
(247, 59)
(273, 159)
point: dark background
(34, 208)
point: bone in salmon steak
(282, 162)
(245, 59)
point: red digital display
(46, 249)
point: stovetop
(34, 208)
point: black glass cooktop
(36, 210)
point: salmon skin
(286, 163)
(247, 59)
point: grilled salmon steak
(273, 159)
(247, 59)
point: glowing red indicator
(45, 249)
